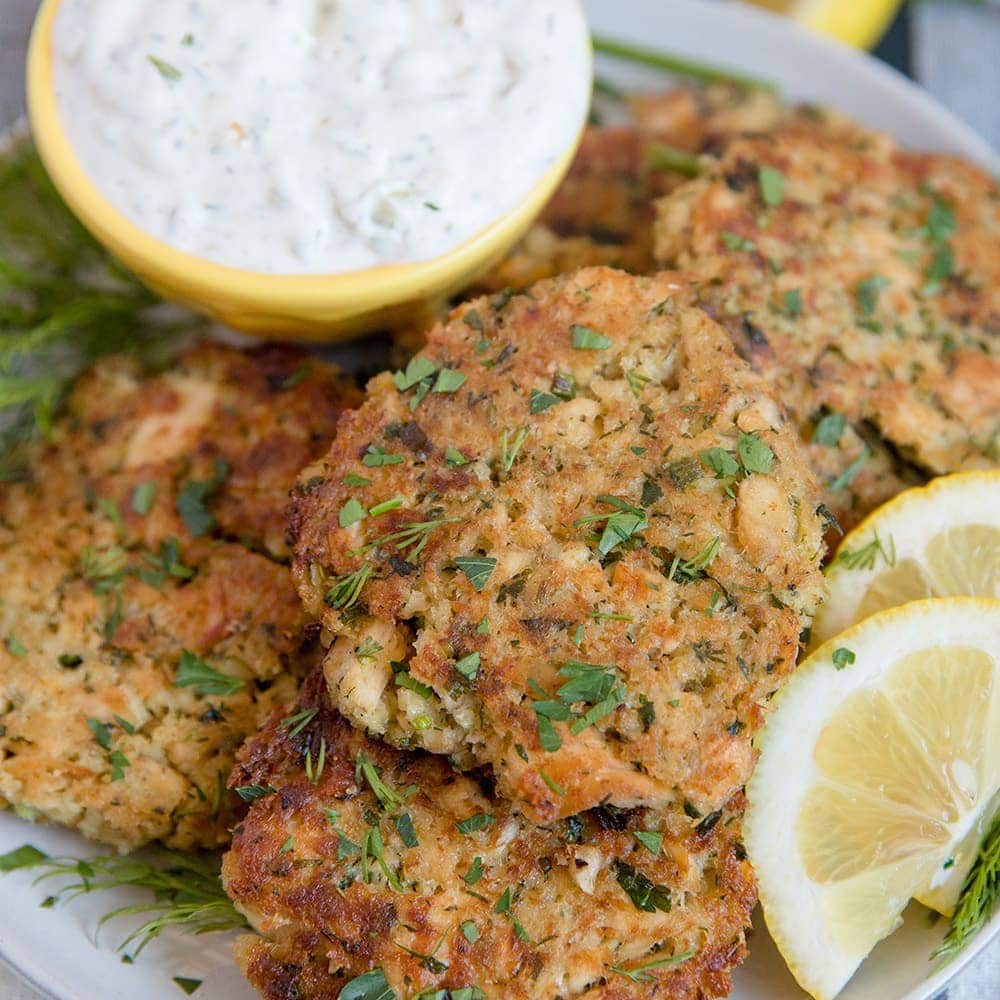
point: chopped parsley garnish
(829, 429)
(754, 453)
(475, 823)
(14, 646)
(652, 840)
(843, 657)
(449, 380)
(197, 518)
(404, 827)
(542, 401)
(477, 569)
(940, 222)
(405, 679)
(721, 462)
(473, 320)
(165, 69)
(619, 526)
(867, 293)
(645, 895)
(454, 458)
(394, 503)
(371, 986)
(470, 931)
(101, 733)
(365, 768)
(688, 570)
(668, 158)
(503, 906)
(142, 498)
(416, 371)
(376, 456)
(793, 303)
(187, 984)
(510, 446)
(733, 241)
(941, 268)
(351, 513)
(772, 185)
(353, 479)
(196, 673)
(586, 339)
(468, 666)
(475, 872)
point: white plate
(54, 948)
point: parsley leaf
(733, 241)
(867, 293)
(475, 872)
(376, 456)
(645, 895)
(404, 827)
(475, 823)
(468, 666)
(843, 657)
(371, 986)
(541, 401)
(197, 518)
(772, 185)
(449, 380)
(586, 339)
(351, 513)
(165, 69)
(652, 840)
(477, 569)
(142, 498)
(829, 429)
(721, 462)
(754, 453)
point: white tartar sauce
(312, 136)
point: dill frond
(186, 889)
(64, 303)
(977, 901)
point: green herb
(754, 453)
(640, 973)
(541, 401)
(470, 931)
(477, 569)
(868, 554)
(411, 538)
(652, 840)
(475, 823)
(851, 472)
(352, 479)
(347, 589)
(660, 156)
(551, 783)
(101, 733)
(15, 647)
(165, 70)
(186, 890)
(548, 738)
(385, 506)
(449, 380)
(371, 986)
(454, 457)
(367, 648)
(197, 518)
(126, 725)
(940, 222)
(687, 570)
(772, 185)
(388, 798)
(509, 449)
(186, 984)
(843, 657)
(793, 302)
(351, 513)
(829, 429)
(977, 901)
(250, 792)
(404, 827)
(645, 895)
(405, 679)
(867, 293)
(475, 872)
(376, 456)
(297, 377)
(680, 65)
(196, 673)
(733, 241)
(416, 371)
(586, 339)
(294, 724)
(941, 269)
(142, 498)
(721, 462)
(468, 666)
(503, 905)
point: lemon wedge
(877, 765)
(861, 24)
(941, 540)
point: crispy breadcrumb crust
(672, 578)
(832, 295)
(106, 585)
(325, 914)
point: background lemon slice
(941, 540)
(857, 22)
(881, 756)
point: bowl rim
(355, 292)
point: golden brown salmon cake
(603, 211)
(356, 859)
(577, 540)
(863, 282)
(147, 626)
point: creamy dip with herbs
(310, 136)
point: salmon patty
(863, 283)
(149, 618)
(573, 540)
(359, 860)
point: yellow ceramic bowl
(307, 307)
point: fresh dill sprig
(64, 303)
(187, 891)
(977, 901)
